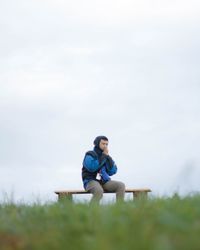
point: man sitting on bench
(98, 162)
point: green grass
(155, 224)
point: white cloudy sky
(72, 70)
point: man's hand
(106, 151)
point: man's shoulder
(91, 153)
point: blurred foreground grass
(155, 224)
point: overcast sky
(72, 70)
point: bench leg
(63, 197)
(139, 195)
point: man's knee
(98, 192)
(121, 186)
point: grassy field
(156, 224)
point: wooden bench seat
(67, 194)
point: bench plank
(85, 192)
(137, 192)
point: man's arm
(111, 167)
(112, 170)
(104, 176)
(92, 164)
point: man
(99, 162)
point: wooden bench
(67, 194)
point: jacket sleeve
(104, 175)
(92, 164)
(113, 169)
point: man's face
(103, 144)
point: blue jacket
(92, 165)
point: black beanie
(98, 139)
